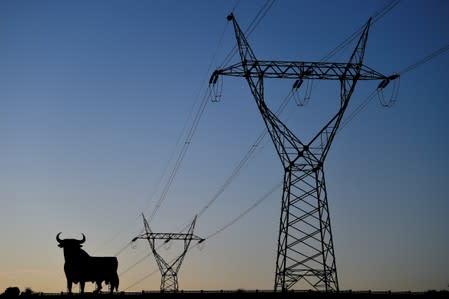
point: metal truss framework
(305, 246)
(169, 270)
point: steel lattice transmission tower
(305, 250)
(169, 270)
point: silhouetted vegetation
(11, 292)
(27, 292)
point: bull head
(70, 242)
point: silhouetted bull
(81, 267)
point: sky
(96, 100)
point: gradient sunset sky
(95, 96)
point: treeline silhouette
(15, 292)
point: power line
(262, 12)
(142, 279)
(233, 221)
(259, 16)
(194, 125)
(375, 18)
(230, 179)
(123, 249)
(178, 162)
(244, 160)
(140, 260)
(211, 235)
(405, 70)
(245, 212)
(192, 130)
(237, 3)
(386, 9)
(360, 108)
(254, 23)
(135, 264)
(186, 144)
(357, 110)
(181, 156)
(227, 182)
(429, 57)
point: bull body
(80, 267)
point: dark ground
(252, 294)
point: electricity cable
(213, 234)
(230, 179)
(375, 18)
(259, 139)
(245, 212)
(142, 279)
(181, 156)
(429, 57)
(192, 129)
(405, 70)
(255, 22)
(185, 145)
(135, 264)
(243, 161)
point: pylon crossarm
(169, 236)
(288, 146)
(169, 276)
(250, 66)
(297, 70)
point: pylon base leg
(305, 253)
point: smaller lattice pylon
(169, 270)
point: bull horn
(58, 239)
(83, 240)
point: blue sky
(95, 94)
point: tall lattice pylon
(169, 270)
(305, 250)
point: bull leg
(114, 283)
(82, 283)
(99, 287)
(69, 286)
